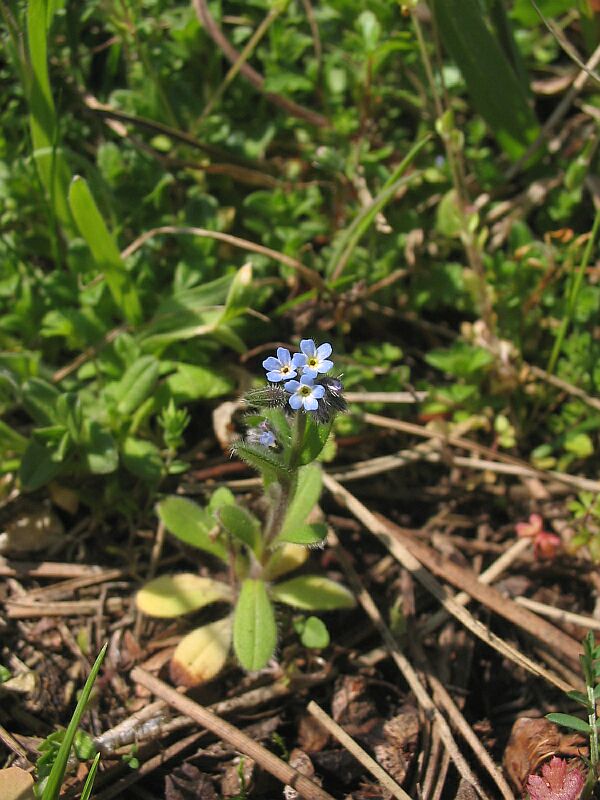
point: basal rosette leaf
(284, 559)
(254, 626)
(201, 654)
(173, 595)
(241, 524)
(313, 593)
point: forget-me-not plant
(289, 421)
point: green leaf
(219, 498)
(39, 466)
(11, 441)
(315, 439)
(53, 169)
(568, 721)
(136, 385)
(264, 461)
(191, 524)
(52, 788)
(143, 459)
(448, 215)
(460, 360)
(173, 595)
(104, 250)
(495, 89)
(313, 593)
(579, 443)
(88, 786)
(579, 697)
(308, 535)
(241, 524)
(101, 453)
(347, 242)
(39, 399)
(190, 382)
(238, 297)
(279, 422)
(314, 633)
(254, 628)
(306, 495)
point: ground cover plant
(314, 287)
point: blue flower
(304, 393)
(262, 434)
(313, 360)
(280, 368)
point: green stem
(572, 296)
(280, 503)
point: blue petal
(310, 404)
(295, 401)
(291, 386)
(299, 360)
(284, 355)
(307, 379)
(325, 366)
(319, 391)
(308, 347)
(309, 374)
(324, 351)
(274, 377)
(271, 363)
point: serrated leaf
(254, 627)
(173, 595)
(306, 495)
(569, 721)
(313, 593)
(191, 524)
(264, 461)
(241, 524)
(201, 654)
(307, 535)
(104, 249)
(285, 559)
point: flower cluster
(314, 391)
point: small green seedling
(586, 511)
(290, 421)
(590, 664)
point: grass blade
(495, 89)
(89, 781)
(52, 167)
(351, 237)
(104, 249)
(55, 779)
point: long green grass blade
(104, 249)
(351, 237)
(573, 294)
(55, 779)
(52, 167)
(88, 786)
(495, 89)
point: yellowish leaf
(201, 654)
(16, 784)
(174, 595)
(285, 559)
